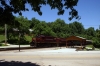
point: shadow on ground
(16, 63)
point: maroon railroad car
(48, 41)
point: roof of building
(78, 38)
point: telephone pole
(5, 34)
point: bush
(2, 38)
(96, 42)
(90, 46)
(13, 41)
(97, 45)
(3, 44)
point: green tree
(72, 29)
(97, 33)
(34, 22)
(58, 26)
(24, 24)
(76, 28)
(14, 30)
(79, 27)
(43, 28)
(96, 40)
(8, 7)
(90, 31)
(67, 30)
(2, 29)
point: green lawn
(91, 46)
(28, 38)
(2, 38)
(3, 44)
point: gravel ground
(53, 57)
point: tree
(96, 40)
(14, 30)
(34, 22)
(72, 29)
(91, 32)
(24, 24)
(79, 27)
(7, 7)
(2, 29)
(76, 28)
(97, 33)
(58, 26)
(43, 28)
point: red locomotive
(47, 41)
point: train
(47, 41)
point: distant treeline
(58, 28)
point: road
(52, 57)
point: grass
(28, 38)
(97, 48)
(90, 46)
(3, 44)
(2, 38)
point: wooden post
(57, 43)
(5, 34)
(81, 43)
(19, 40)
(35, 43)
(66, 44)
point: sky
(89, 10)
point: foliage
(1, 30)
(22, 28)
(90, 31)
(89, 47)
(40, 27)
(96, 42)
(3, 44)
(79, 27)
(2, 37)
(28, 38)
(8, 7)
(57, 28)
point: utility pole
(5, 34)
(19, 40)
(19, 37)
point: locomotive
(47, 41)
